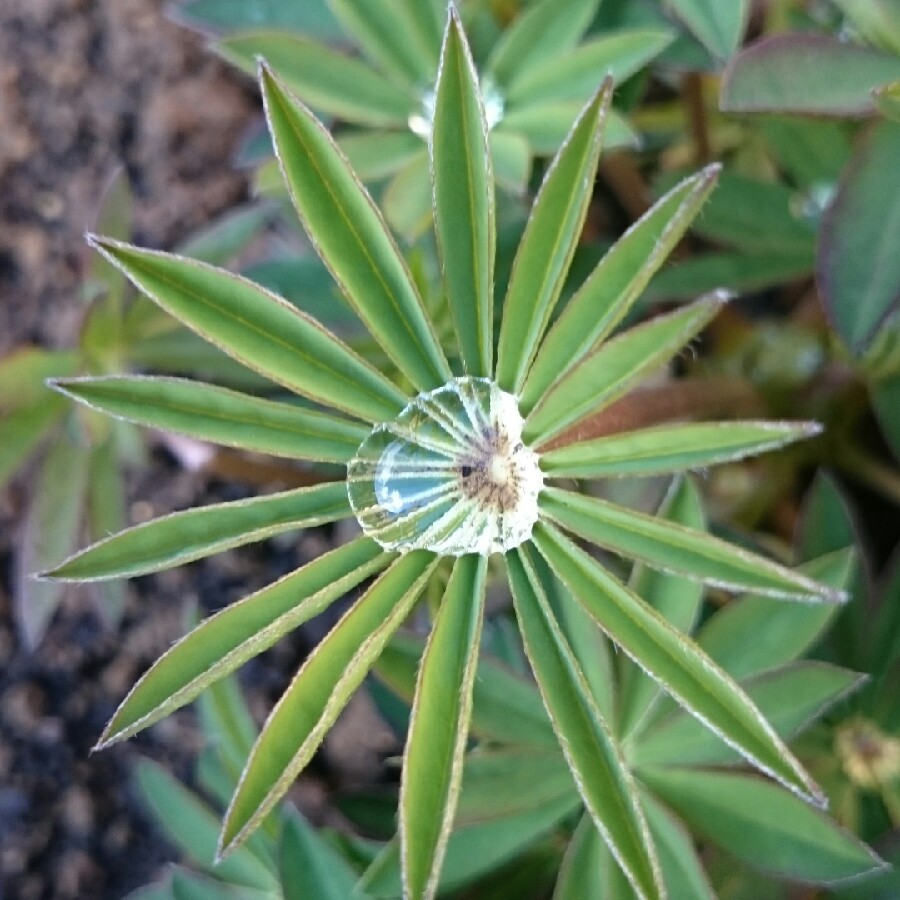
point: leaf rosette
(453, 463)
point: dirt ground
(87, 86)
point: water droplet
(421, 122)
(450, 474)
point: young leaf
(671, 547)
(609, 371)
(536, 35)
(585, 867)
(332, 82)
(464, 200)
(351, 237)
(857, 269)
(600, 773)
(671, 448)
(551, 235)
(318, 693)
(432, 763)
(284, 345)
(225, 641)
(616, 283)
(794, 73)
(675, 661)
(221, 416)
(182, 537)
(763, 826)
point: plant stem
(692, 95)
(871, 472)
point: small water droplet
(450, 474)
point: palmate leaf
(676, 662)
(432, 762)
(225, 641)
(221, 416)
(260, 330)
(391, 37)
(536, 35)
(464, 200)
(182, 537)
(576, 75)
(551, 235)
(609, 371)
(320, 690)
(616, 283)
(352, 238)
(675, 548)
(600, 771)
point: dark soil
(87, 86)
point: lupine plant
(535, 75)
(468, 453)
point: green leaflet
(505, 707)
(536, 35)
(433, 760)
(332, 82)
(678, 599)
(195, 828)
(598, 767)
(318, 693)
(283, 344)
(718, 26)
(225, 641)
(763, 826)
(219, 415)
(51, 531)
(616, 283)
(790, 698)
(675, 661)
(794, 72)
(389, 37)
(350, 235)
(545, 126)
(671, 448)
(474, 850)
(376, 154)
(576, 75)
(195, 533)
(585, 866)
(464, 200)
(551, 235)
(781, 631)
(606, 373)
(675, 548)
(310, 867)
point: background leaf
(858, 270)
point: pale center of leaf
(450, 474)
(421, 122)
